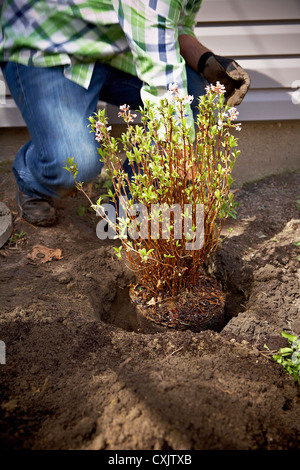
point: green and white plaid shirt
(135, 36)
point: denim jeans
(56, 112)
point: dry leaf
(151, 302)
(43, 254)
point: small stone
(64, 278)
(283, 259)
(133, 413)
(6, 224)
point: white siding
(215, 11)
(264, 37)
(251, 40)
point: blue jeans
(56, 112)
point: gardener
(60, 58)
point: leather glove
(228, 72)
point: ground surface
(77, 375)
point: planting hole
(122, 313)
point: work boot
(35, 210)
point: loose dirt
(79, 376)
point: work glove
(229, 73)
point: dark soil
(79, 376)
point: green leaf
(107, 184)
(81, 210)
(118, 251)
(288, 336)
(285, 351)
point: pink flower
(99, 136)
(174, 94)
(126, 113)
(173, 88)
(124, 107)
(100, 126)
(188, 99)
(218, 88)
(220, 124)
(232, 114)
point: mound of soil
(78, 375)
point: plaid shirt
(135, 36)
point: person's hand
(229, 73)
